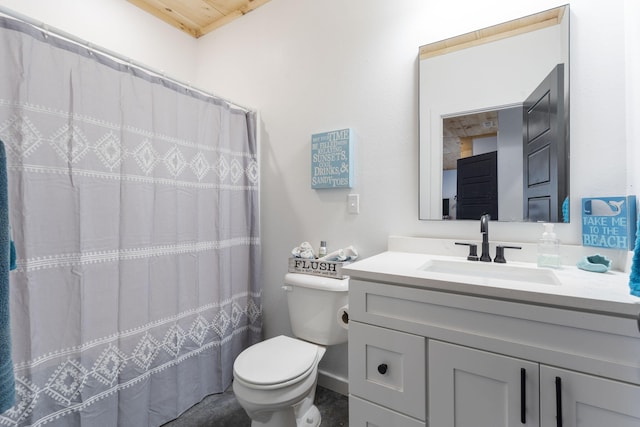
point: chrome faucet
(484, 229)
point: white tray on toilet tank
(314, 267)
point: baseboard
(333, 382)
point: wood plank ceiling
(198, 17)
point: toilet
(275, 380)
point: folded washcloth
(341, 255)
(305, 250)
(634, 279)
(7, 378)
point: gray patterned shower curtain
(134, 210)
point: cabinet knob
(382, 368)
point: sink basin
(491, 271)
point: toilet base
(287, 418)
(293, 408)
(310, 419)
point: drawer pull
(558, 402)
(523, 395)
(382, 368)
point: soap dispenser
(548, 248)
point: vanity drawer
(366, 414)
(389, 368)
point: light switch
(353, 202)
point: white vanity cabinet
(469, 360)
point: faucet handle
(500, 253)
(473, 250)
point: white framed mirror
(494, 122)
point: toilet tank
(314, 305)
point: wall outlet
(353, 203)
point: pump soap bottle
(549, 248)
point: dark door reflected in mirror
(530, 142)
(494, 122)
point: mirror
(494, 122)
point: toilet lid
(275, 360)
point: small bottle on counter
(549, 248)
(323, 249)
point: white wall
(312, 66)
(120, 27)
(632, 17)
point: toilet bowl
(275, 380)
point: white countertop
(575, 289)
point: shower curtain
(134, 210)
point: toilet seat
(276, 362)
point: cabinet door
(474, 388)
(586, 401)
(389, 368)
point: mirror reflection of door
(544, 145)
(478, 186)
(532, 161)
(478, 133)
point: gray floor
(223, 410)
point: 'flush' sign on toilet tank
(331, 159)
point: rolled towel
(341, 255)
(305, 250)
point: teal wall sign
(609, 222)
(332, 159)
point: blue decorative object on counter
(596, 263)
